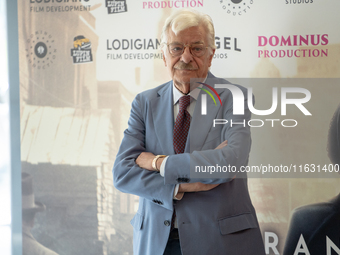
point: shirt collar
(177, 94)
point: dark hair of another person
(333, 147)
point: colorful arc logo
(207, 91)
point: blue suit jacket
(219, 221)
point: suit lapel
(201, 124)
(163, 118)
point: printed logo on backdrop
(226, 44)
(293, 46)
(299, 1)
(150, 48)
(63, 6)
(158, 4)
(81, 51)
(40, 50)
(133, 49)
(236, 7)
(116, 6)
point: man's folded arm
(131, 178)
(178, 167)
(235, 154)
(128, 177)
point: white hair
(186, 18)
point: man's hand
(223, 144)
(198, 186)
(193, 187)
(144, 160)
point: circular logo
(236, 7)
(40, 50)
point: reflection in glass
(5, 195)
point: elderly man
(178, 214)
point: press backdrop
(81, 64)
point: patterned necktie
(181, 130)
(182, 125)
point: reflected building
(70, 156)
(69, 139)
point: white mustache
(184, 66)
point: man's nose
(186, 56)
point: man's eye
(197, 48)
(176, 48)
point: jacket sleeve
(178, 168)
(128, 176)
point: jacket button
(167, 223)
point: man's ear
(164, 58)
(211, 57)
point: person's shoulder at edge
(311, 216)
(307, 220)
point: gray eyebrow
(198, 42)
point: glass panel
(5, 187)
